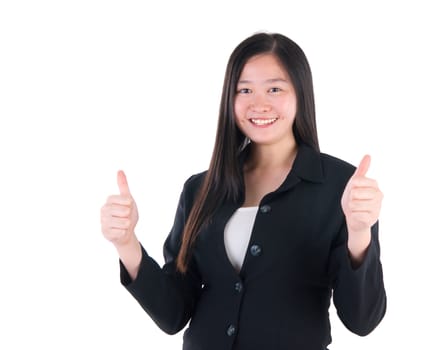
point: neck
(272, 156)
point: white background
(90, 87)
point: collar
(307, 164)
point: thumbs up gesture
(119, 215)
(361, 203)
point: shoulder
(317, 167)
(332, 162)
(194, 181)
(192, 186)
(336, 168)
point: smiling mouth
(262, 122)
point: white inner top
(237, 234)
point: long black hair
(224, 178)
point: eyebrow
(274, 80)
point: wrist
(129, 240)
(358, 243)
(130, 254)
(131, 248)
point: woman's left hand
(361, 203)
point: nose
(260, 103)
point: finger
(113, 210)
(362, 206)
(122, 183)
(361, 219)
(119, 211)
(114, 234)
(119, 200)
(363, 166)
(119, 223)
(109, 212)
(362, 193)
(363, 182)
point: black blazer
(296, 258)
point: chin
(263, 141)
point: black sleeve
(168, 296)
(359, 293)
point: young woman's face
(265, 102)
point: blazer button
(265, 208)
(231, 330)
(255, 250)
(238, 287)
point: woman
(261, 240)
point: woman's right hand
(119, 215)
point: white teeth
(263, 121)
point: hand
(361, 200)
(119, 215)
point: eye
(275, 90)
(243, 91)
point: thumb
(122, 183)
(363, 166)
